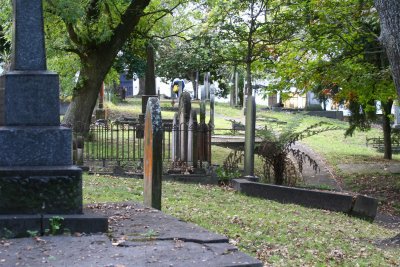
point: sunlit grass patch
(278, 234)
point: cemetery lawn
(277, 234)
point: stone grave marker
(185, 107)
(192, 139)
(207, 86)
(175, 138)
(202, 89)
(37, 178)
(212, 106)
(202, 112)
(249, 137)
(153, 134)
(396, 123)
(150, 78)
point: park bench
(378, 143)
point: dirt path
(322, 178)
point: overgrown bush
(230, 167)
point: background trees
(338, 45)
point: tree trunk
(389, 13)
(233, 88)
(279, 169)
(249, 90)
(387, 129)
(79, 113)
(96, 61)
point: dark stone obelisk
(150, 78)
(37, 178)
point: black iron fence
(121, 143)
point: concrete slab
(143, 222)
(138, 236)
(98, 250)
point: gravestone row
(191, 141)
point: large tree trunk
(79, 113)
(233, 88)
(387, 129)
(96, 60)
(279, 169)
(389, 13)
(249, 90)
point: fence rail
(121, 143)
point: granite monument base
(35, 146)
(24, 104)
(40, 190)
(31, 196)
(22, 225)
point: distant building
(127, 84)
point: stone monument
(153, 133)
(37, 179)
(150, 78)
(212, 106)
(192, 140)
(250, 139)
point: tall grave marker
(153, 134)
(250, 138)
(37, 178)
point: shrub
(230, 168)
(275, 149)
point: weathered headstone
(202, 112)
(236, 88)
(249, 137)
(202, 89)
(396, 123)
(207, 86)
(212, 106)
(175, 138)
(196, 86)
(153, 134)
(150, 78)
(185, 107)
(202, 134)
(192, 139)
(36, 173)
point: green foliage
(56, 225)
(32, 233)
(276, 147)
(230, 168)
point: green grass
(281, 235)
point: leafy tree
(249, 29)
(338, 44)
(325, 92)
(94, 31)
